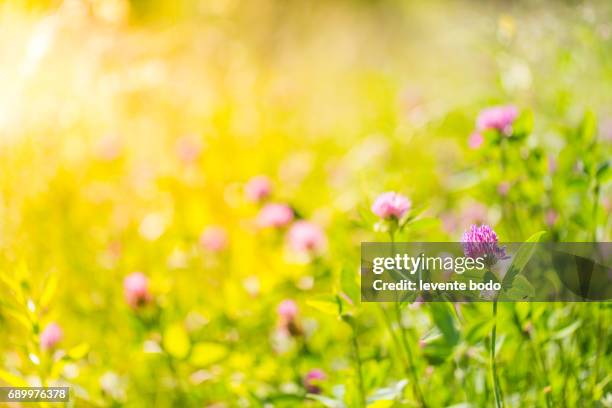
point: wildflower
(391, 205)
(306, 237)
(287, 310)
(188, 149)
(313, 379)
(136, 289)
(481, 241)
(288, 324)
(214, 239)
(108, 148)
(503, 188)
(50, 336)
(551, 164)
(275, 215)
(475, 140)
(498, 118)
(258, 188)
(551, 217)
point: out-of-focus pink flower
(287, 310)
(50, 336)
(108, 147)
(391, 205)
(258, 188)
(503, 188)
(313, 379)
(288, 324)
(551, 217)
(475, 140)
(136, 290)
(275, 215)
(606, 203)
(474, 212)
(188, 149)
(306, 237)
(481, 241)
(214, 239)
(605, 129)
(500, 118)
(471, 213)
(551, 164)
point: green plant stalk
(601, 339)
(543, 377)
(410, 366)
(358, 368)
(496, 387)
(596, 190)
(415, 378)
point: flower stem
(415, 378)
(360, 385)
(496, 387)
(596, 190)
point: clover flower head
(50, 336)
(214, 239)
(481, 241)
(475, 140)
(391, 205)
(313, 379)
(287, 310)
(306, 237)
(188, 149)
(275, 215)
(136, 289)
(258, 188)
(498, 118)
(551, 217)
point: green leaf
(523, 124)
(444, 319)
(423, 223)
(326, 401)
(17, 316)
(567, 331)
(206, 353)
(78, 352)
(521, 258)
(384, 397)
(381, 404)
(350, 287)
(438, 350)
(327, 304)
(521, 290)
(12, 379)
(587, 126)
(602, 170)
(49, 291)
(176, 341)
